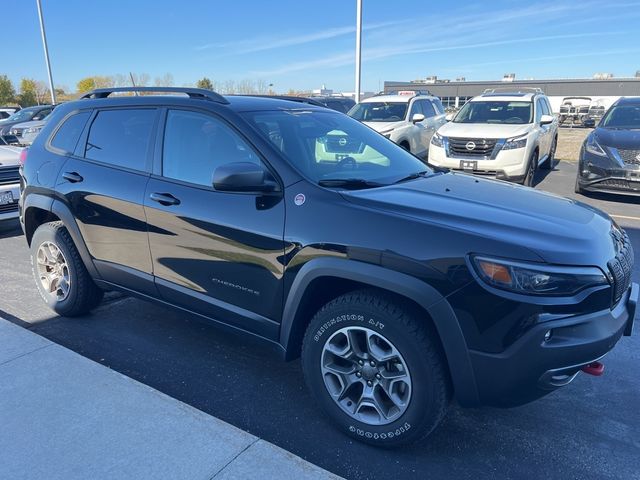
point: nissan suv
(408, 118)
(401, 287)
(507, 135)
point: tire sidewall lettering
(380, 435)
(347, 317)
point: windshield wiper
(350, 183)
(413, 176)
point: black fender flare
(61, 211)
(444, 318)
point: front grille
(621, 268)
(630, 157)
(481, 147)
(9, 207)
(9, 175)
(340, 144)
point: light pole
(358, 47)
(46, 53)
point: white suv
(409, 118)
(503, 134)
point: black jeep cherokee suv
(400, 286)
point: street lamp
(46, 53)
(358, 47)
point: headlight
(534, 279)
(387, 132)
(515, 142)
(436, 140)
(592, 146)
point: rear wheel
(376, 369)
(62, 279)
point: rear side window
(68, 134)
(121, 137)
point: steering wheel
(347, 163)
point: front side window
(416, 107)
(195, 144)
(68, 134)
(427, 108)
(325, 145)
(539, 110)
(379, 111)
(500, 112)
(121, 137)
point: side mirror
(243, 177)
(546, 119)
(448, 117)
(417, 117)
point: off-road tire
(413, 336)
(84, 294)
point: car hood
(482, 130)
(9, 155)
(32, 123)
(625, 139)
(382, 126)
(558, 230)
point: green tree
(97, 81)
(205, 83)
(7, 92)
(28, 92)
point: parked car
(25, 115)
(26, 132)
(408, 118)
(574, 110)
(507, 135)
(400, 286)
(335, 102)
(9, 183)
(6, 112)
(609, 159)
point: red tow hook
(594, 368)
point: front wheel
(530, 175)
(376, 369)
(62, 279)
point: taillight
(23, 157)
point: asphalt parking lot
(587, 430)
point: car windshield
(22, 115)
(623, 117)
(379, 111)
(501, 112)
(332, 149)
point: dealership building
(603, 88)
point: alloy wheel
(53, 271)
(365, 375)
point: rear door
(216, 253)
(103, 184)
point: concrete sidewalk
(63, 416)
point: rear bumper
(533, 367)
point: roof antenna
(133, 82)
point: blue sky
(303, 44)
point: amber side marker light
(496, 272)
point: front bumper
(596, 178)
(510, 165)
(10, 211)
(533, 367)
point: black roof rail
(199, 93)
(290, 98)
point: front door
(216, 253)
